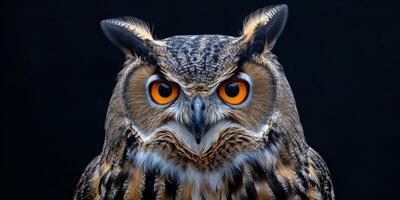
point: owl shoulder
(319, 172)
(87, 187)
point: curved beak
(198, 126)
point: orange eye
(163, 92)
(233, 92)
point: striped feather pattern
(226, 171)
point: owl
(203, 117)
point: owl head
(200, 100)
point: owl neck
(275, 170)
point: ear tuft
(264, 26)
(137, 26)
(131, 35)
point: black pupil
(232, 89)
(164, 90)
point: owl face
(188, 96)
(196, 89)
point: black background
(58, 71)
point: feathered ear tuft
(263, 27)
(131, 35)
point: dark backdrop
(58, 71)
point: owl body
(203, 117)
